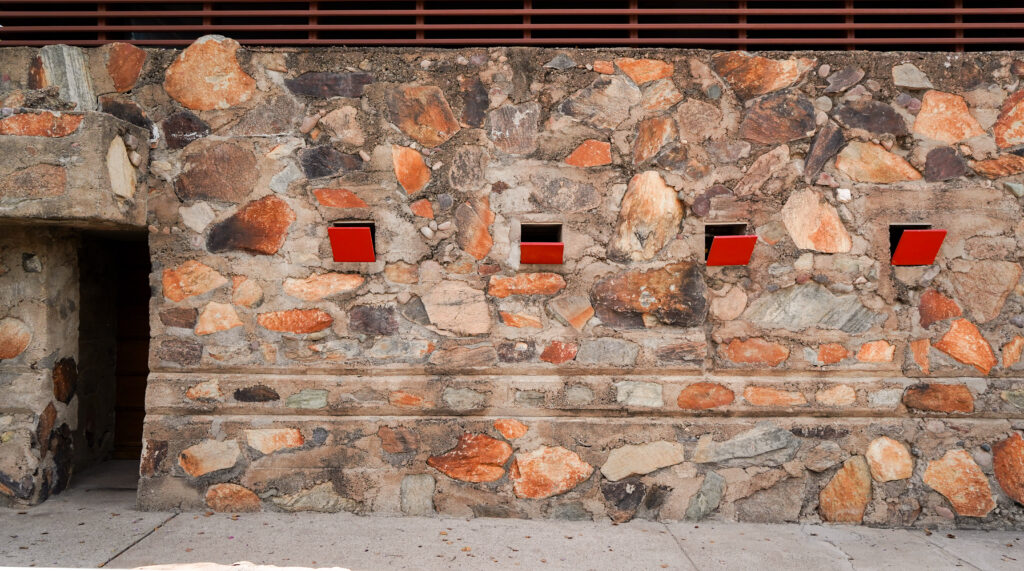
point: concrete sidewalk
(95, 524)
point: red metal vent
(722, 24)
(731, 250)
(918, 247)
(352, 242)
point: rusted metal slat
(519, 12)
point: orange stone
(590, 153)
(411, 171)
(296, 320)
(232, 498)
(259, 227)
(124, 64)
(876, 352)
(755, 351)
(650, 209)
(14, 337)
(1003, 165)
(402, 398)
(559, 352)
(40, 124)
(189, 279)
(422, 208)
(472, 219)
(965, 343)
(959, 478)
(207, 76)
(643, 70)
(270, 440)
(1012, 351)
(870, 162)
(945, 117)
(575, 310)
(603, 66)
(245, 292)
(1009, 127)
(319, 286)
(919, 350)
(519, 320)
(939, 398)
(209, 456)
(1008, 461)
(935, 307)
(832, 353)
(652, 135)
(750, 75)
(547, 471)
(510, 428)
(544, 283)
(702, 396)
(889, 460)
(36, 181)
(476, 458)
(422, 113)
(338, 198)
(217, 317)
(839, 395)
(814, 224)
(846, 496)
(765, 396)
(402, 273)
(205, 391)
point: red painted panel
(352, 244)
(731, 250)
(541, 252)
(918, 247)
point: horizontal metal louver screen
(744, 24)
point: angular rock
(36, 181)
(889, 460)
(329, 84)
(190, 279)
(767, 396)
(206, 391)
(805, 305)
(326, 161)
(707, 498)
(945, 117)
(259, 227)
(217, 317)
(983, 289)
(457, 307)
(640, 459)
(826, 144)
(510, 428)
(65, 68)
(844, 79)
(565, 195)
(873, 117)
(762, 169)
(307, 398)
(814, 224)
(40, 124)
(245, 292)
(206, 75)
(907, 75)
(637, 393)
(475, 102)
(547, 471)
(296, 320)
(372, 320)
(876, 352)
(729, 306)
(558, 352)
(839, 395)
(1008, 464)
(660, 96)
(520, 320)
(939, 398)
(1012, 351)
(943, 163)
(319, 286)
(182, 128)
(604, 104)
(525, 284)
(574, 310)
(463, 357)
(965, 343)
(344, 126)
(936, 307)
(320, 498)
(256, 393)
(832, 353)
(417, 495)
(675, 294)
(750, 75)
(422, 113)
(649, 218)
(124, 64)
(180, 351)
(232, 498)
(218, 171)
(120, 170)
(338, 198)
(514, 127)
(270, 440)
(704, 396)
(847, 494)
(755, 351)
(472, 219)
(397, 440)
(958, 477)
(14, 337)
(778, 118)
(689, 160)
(623, 498)
(763, 438)
(1003, 165)
(870, 162)
(1009, 127)
(590, 153)
(209, 456)
(652, 135)
(179, 317)
(643, 70)
(126, 111)
(411, 171)
(823, 456)
(698, 121)
(422, 208)
(476, 458)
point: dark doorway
(113, 345)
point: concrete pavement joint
(679, 544)
(137, 541)
(940, 547)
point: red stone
(755, 351)
(189, 279)
(259, 227)
(525, 284)
(702, 396)
(422, 208)
(604, 66)
(296, 320)
(65, 379)
(410, 170)
(1012, 351)
(338, 198)
(767, 396)
(675, 294)
(945, 117)
(472, 219)
(422, 113)
(510, 428)
(519, 320)
(939, 398)
(217, 317)
(397, 440)
(14, 337)
(755, 75)
(652, 135)
(1003, 165)
(919, 350)
(846, 496)
(590, 153)
(559, 352)
(935, 307)
(1009, 127)
(207, 76)
(476, 458)
(36, 181)
(643, 70)
(965, 343)
(876, 352)
(1008, 462)
(40, 124)
(232, 498)
(124, 64)
(832, 353)
(402, 398)
(216, 170)
(547, 471)
(958, 477)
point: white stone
(198, 216)
(120, 169)
(635, 393)
(907, 75)
(641, 459)
(844, 195)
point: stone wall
(817, 383)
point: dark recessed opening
(896, 232)
(547, 233)
(712, 230)
(360, 224)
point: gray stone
(66, 68)
(763, 438)
(608, 351)
(289, 174)
(706, 499)
(826, 144)
(1016, 398)
(781, 502)
(31, 263)
(514, 127)
(561, 62)
(578, 395)
(603, 104)
(398, 349)
(844, 79)
(307, 398)
(466, 172)
(823, 456)
(530, 398)
(1015, 187)
(328, 84)
(807, 305)
(319, 498)
(636, 393)
(418, 495)
(463, 399)
(570, 511)
(640, 459)
(907, 75)
(885, 398)
(564, 195)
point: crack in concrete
(949, 553)
(137, 541)
(679, 544)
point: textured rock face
(814, 224)
(939, 398)
(41, 124)
(232, 498)
(1009, 127)
(525, 284)
(936, 307)
(422, 113)
(806, 305)
(189, 279)
(889, 460)
(778, 118)
(14, 337)
(870, 162)
(476, 458)
(296, 320)
(209, 456)
(259, 227)
(957, 476)
(124, 64)
(675, 294)
(755, 352)
(473, 219)
(218, 171)
(410, 169)
(648, 218)
(703, 396)
(945, 117)
(590, 153)
(457, 307)
(547, 471)
(207, 76)
(1008, 462)
(965, 343)
(846, 496)
(319, 286)
(637, 460)
(750, 76)
(514, 128)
